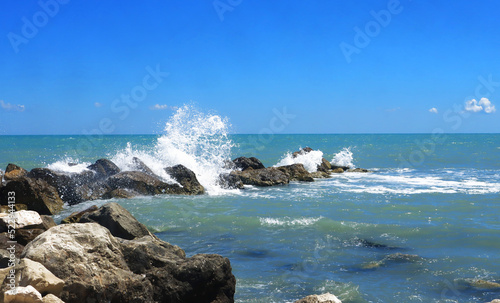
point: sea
(422, 226)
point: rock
(32, 273)
(120, 193)
(50, 298)
(324, 298)
(338, 170)
(2, 173)
(24, 236)
(6, 250)
(37, 194)
(482, 284)
(262, 177)
(303, 151)
(118, 220)
(72, 188)
(47, 222)
(21, 219)
(104, 168)
(201, 278)
(140, 166)
(75, 216)
(13, 172)
(320, 174)
(140, 182)
(495, 301)
(392, 258)
(17, 207)
(336, 167)
(230, 181)
(245, 163)
(324, 166)
(90, 262)
(296, 172)
(358, 170)
(26, 294)
(186, 178)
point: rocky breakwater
(108, 256)
(45, 191)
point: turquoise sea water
(435, 196)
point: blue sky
(77, 67)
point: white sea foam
(288, 221)
(310, 160)
(194, 139)
(68, 166)
(344, 158)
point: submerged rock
(262, 177)
(117, 219)
(245, 163)
(482, 284)
(37, 194)
(296, 172)
(324, 298)
(391, 259)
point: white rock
(22, 218)
(50, 298)
(26, 294)
(324, 298)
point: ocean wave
(288, 221)
(344, 158)
(68, 166)
(310, 160)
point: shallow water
(287, 242)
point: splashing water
(194, 139)
(310, 160)
(68, 165)
(343, 158)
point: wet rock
(89, 260)
(320, 174)
(140, 166)
(118, 220)
(73, 188)
(139, 182)
(245, 163)
(13, 172)
(104, 168)
(391, 259)
(75, 216)
(37, 194)
(324, 298)
(482, 284)
(338, 170)
(201, 278)
(296, 172)
(358, 170)
(186, 178)
(371, 244)
(230, 181)
(262, 177)
(120, 193)
(303, 151)
(26, 294)
(32, 273)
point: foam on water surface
(310, 160)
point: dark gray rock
(262, 177)
(230, 181)
(187, 178)
(118, 220)
(296, 172)
(140, 166)
(37, 194)
(140, 182)
(104, 168)
(359, 170)
(245, 163)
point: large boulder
(20, 294)
(296, 172)
(29, 272)
(262, 177)
(244, 163)
(89, 260)
(13, 172)
(37, 194)
(201, 278)
(324, 298)
(50, 298)
(73, 188)
(29, 224)
(139, 182)
(186, 178)
(104, 168)
(118, 220)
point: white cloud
(483, 105)
(97, 104)
(433, 110)
(158, 107)
(8, 106)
